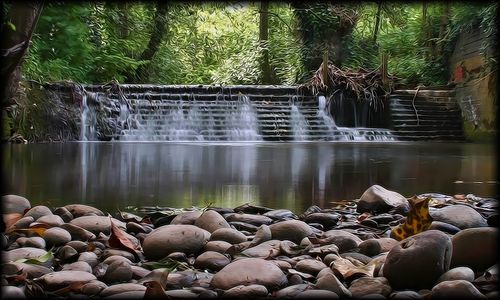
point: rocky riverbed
(346, 251)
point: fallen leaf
(418, 219)
(154, 290)
(38, 260)
(118, 239)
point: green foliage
(217, 42)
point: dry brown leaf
(118, 239)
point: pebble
(251, 252)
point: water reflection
(290, 175)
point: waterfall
(88, 130)
(298, 123)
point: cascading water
(324, 115)
(298, 123)
(88, 119)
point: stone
(79, 210)
(246, 292)
(56, 236)
(475, 248)
(127, 295)
(405, 295)
(211, 220)
(358, 256)
(32, 270)
(217, 246)
(292, 230)
(418, 261)
(78, 233)
(456, 289)
(263, 234)
(118, 271)
(370, 285)
(291, 291)
(344, 240)
(461, 216)
(249, 271)
(77, 266)
(256, 220)
(64, 214)
(89, 257)
(12, 292)
(317, 294)
(166, 239)
(52, 220)
(211, 260)
(14, 204)
(117, 252)
(61, 279)
(311, 266)
(67, 254)
(97, 224)
(328, 220)
(120, 288)
(79, 246)
(444, 227)
(25, 252)
(186, 218)
(458, 273)
(110, 259)
(229, 235)
(263, 250)
(93, 288)
(23, 223)
(330, 282)
(280, 214)
(376, 199)
(36, 242)
(38, 211)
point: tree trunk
(158, 31)
(263, 41)
(377, 22)
(445, 19)
(16, 37)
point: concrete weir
(214, 113)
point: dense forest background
(245, 42)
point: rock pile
(345, 251)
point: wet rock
(256, 220)
(211, 260)
(243, 226)
(358, 256)
(15, 204)
(377, 199)
(291, 291)
(292, 230)
(461, 216)
(263, 234)
(281, 214)
(61, 279)
(79, 210)
(117, 252)
(328, 220)
(77, 266)
(56, 236)
(175, 238)
(89, 257)
(133, 227)
(264, 250)
(96, 224)
(456, 289)
(330, 282)
(26, 252)
(12, 292)
(370, 247)
(370, 285)
(127, 295)
(344, 240)
(23, 223)
(481, 255)
(311, 266)
(317, 294)
(246, 292)
(93, 288)
(249, 271)
(444, 227)
(217, 246)
(120, 288)
(186, 218)
(38, 211)
(78, 233)
(229, 235)
(35, 242)
(79, 246)
(52, 220)
(32, 270)
(139, 272)
(418, 261)
(458, 273)
(405, 295)
(118, 271)
(67, 253)
(64, 213)
(211, 220)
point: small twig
(413, 104)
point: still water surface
(278, 175)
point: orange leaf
(118, 239)
(38, 230)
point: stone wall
(476, 85)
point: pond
(114, 175)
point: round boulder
(344, 240)
(456, 289)
(211, 220)
(38, 211)
(249, 271)
(96, 224)
(56, 236)
(79, 210)
(174, 238)
(377, 199)
(14, 204)
(229, 235)
(186, 218)
(461, 216)
(418, 261)
(61, 279)
(475, 248)
(211, 260)
(459, 273)
(292, 230)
